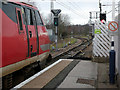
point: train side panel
(44, 40)
(14, 40)
(24, 37)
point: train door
(32, 34)
(36, 29)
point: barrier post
(112, 67)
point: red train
(24, 37)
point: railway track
(73, 53)
(69, 54)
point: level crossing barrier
(101, 40)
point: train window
(34, 16)
(23, 14)
(19, 20)
(39, 20)
(7, 8)
(29, 17)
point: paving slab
(55, 82)
(103, 77)
(85, 70)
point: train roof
(20, 3)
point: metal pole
(100, 6)
(113, 9)
(90, 15)
(112, 63)
(52, 7)
(112, 52)
(56, 38)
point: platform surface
(84, 75)
(44, 78)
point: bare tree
(65, 19)
(64, 22)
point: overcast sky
(78, 10)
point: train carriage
(24, 37)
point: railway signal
(56, 13)
(56, 21)
(102, 17)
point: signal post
(56, 13)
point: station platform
(67, 73)
(83, 75)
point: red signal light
(102, 20)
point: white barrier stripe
(101, 42)
(94, 51)
(97, 44)
(112, 48)
(36, 75)
(107, 44)
(100, 26)
(103, 46)
(98, 50)
(103, 51)
(104, 29)
(104, 25)
(112, 38)
(105, 35)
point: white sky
(78, 10)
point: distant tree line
(80, 29)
